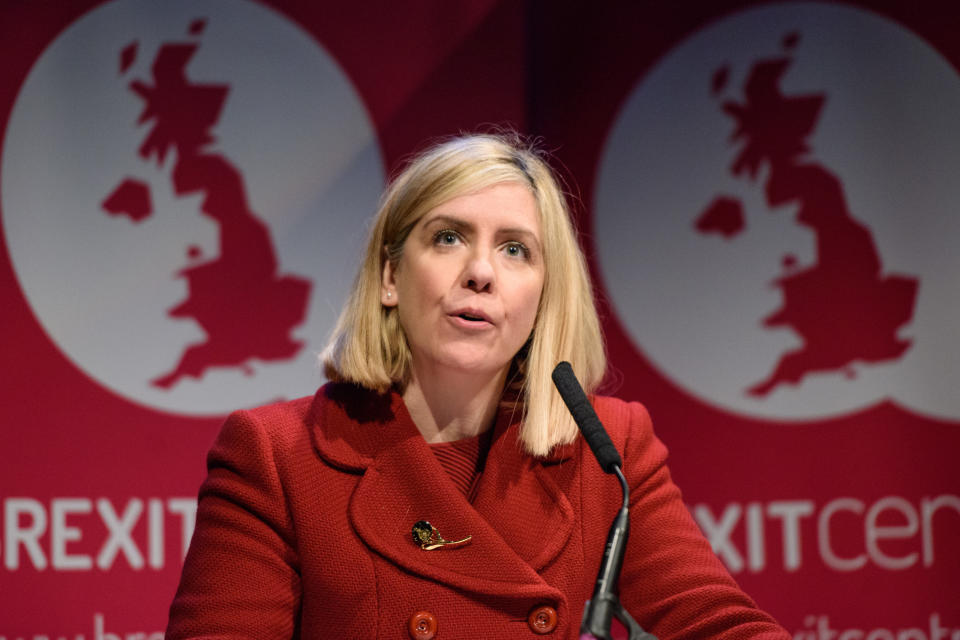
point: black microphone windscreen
(585, 417)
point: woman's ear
(388, 285)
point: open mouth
(471, 316)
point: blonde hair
(368, 346)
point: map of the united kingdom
(246, 308)
(843, 307)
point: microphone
(585, 417)
(604, 605)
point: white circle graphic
(695, 302)
(277, 190)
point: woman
(437, 487)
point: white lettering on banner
(15, 536)
(27, 536)
(876, 532)
(831, 559)
(818, 628)
(186, 508)
(756, 545)
(58, 542)
(100, 632)
(928, 508)
(887, 519)
(790, 513)
(719, 533)
(120, 533)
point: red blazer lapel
(529, 509)
(406, 484)
(403, 482)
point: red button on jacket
(542, 619)
(423, 626)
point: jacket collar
(350, 426)
(520, 519)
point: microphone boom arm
(600, 610)
(604, 605)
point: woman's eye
(517, 250)
(446, 238)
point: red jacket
(304, 531)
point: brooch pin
(427, 536)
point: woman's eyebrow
(519, 231)
(450, 221)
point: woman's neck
(451, 407)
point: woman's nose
(478, 273)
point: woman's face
(468, 283)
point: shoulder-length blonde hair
(368, 346)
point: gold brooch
(427, 536)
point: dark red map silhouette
(130, 199)
(724, 216)
(842, 306)
(243, 305)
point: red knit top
(463, 460)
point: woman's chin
(466, 365)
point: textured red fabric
(304, 531)
(463, 460)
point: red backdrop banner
(766, 194)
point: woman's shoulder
(339, 421)
(273, 426)
(281, 411)
(630, 429)
(277, 417)
(282, 415)
(621, 417)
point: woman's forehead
(509, 204)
